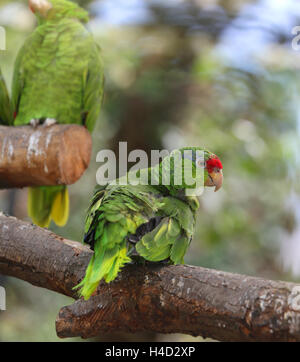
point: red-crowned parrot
(154, 222)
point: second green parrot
(58, 78)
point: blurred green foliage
(168, 84)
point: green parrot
(6, 114)
(58, 78)
(143, 221)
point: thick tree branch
(44, 156)
(165, 299)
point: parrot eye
(201, 163)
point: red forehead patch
(213, 162)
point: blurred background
(216, 73)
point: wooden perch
(164, 299)
(44, 156)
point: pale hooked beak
(41, 6)
(215, 178)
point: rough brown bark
(44, 156)
(164, 299)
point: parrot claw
(49, 122)
(34, 123)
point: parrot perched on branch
(147, 222)
(6, 114)
(58, 78)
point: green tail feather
(105, 264)
(48, 203)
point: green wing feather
(19, 76)
(172, 236)
(94, 88)
(115, 213)
(6, 114)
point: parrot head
(213, 174)
(56, 9)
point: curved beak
(215, 178)
(42, 6)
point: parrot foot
(49, 122)
(34, 123)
